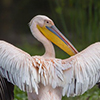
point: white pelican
(46, 77)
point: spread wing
(75, 75)
(83, 71)
(18, 67)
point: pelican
(46, 77)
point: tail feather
(6, 89)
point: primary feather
(84, 71)
(6, 89)
(18, 67)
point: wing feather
(18, 67)
(85, 67)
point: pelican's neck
(49, 49)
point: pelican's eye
(47, 23)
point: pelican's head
(46, 26)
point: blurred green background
(78, 20)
